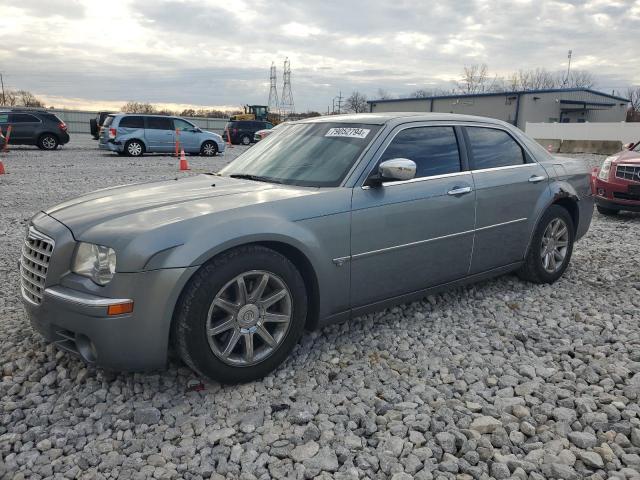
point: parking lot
(548, 374)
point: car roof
(399, 117)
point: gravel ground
(502, 379)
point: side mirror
(628, 146)
(393, 170)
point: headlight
(94, 261)
(606, 168)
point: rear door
(159, 134)
(24, 127)
(508, 183)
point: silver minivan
(137, 134)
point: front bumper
(73, 311)
(615, 194)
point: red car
(616, 185)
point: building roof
(495, 94)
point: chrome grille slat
(628, 172)
(34, 264)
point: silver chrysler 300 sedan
(326, 219)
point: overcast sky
(96, 54)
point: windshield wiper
(257, 178)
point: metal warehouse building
(554, 105)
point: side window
(491, 148)
(159, 123)
(433, 149)
(182, 125)
(23, 118)
(131, 122)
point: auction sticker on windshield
(348, 132)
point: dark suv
(34, 127)
(242, 131)
(95, 124)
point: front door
(410, 235)
(188, 136)
(159, 134)
(508, 186)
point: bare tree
(474, 78)
(382, 94)
(581, 79)
(633, 114)
(138, 107)
(23, 98)
(421, 93)
(356, 103)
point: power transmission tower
(286, 99)
(4, 100)
(274, 106)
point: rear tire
(245, 140)
(609, 212)
(551, 247)
(224, 311)
(134, 148)
(48, 141)
(209, 149)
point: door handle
(459, 190)
(536, 178)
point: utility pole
(339, 97)
(4, 101)
(566, 80)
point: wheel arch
(564, 195)
(294, 254)
(48, 132)
(144, 144)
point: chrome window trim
(421, 179)
(506, 167)
(339, 261)
(62, 293)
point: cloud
(214, 52)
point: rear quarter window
(108, 121)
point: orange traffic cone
(184, 165)
(2, 172)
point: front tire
(134, 148)
(551, 247)
(609, 212)
(209, 149)
(245, 140)
(240, 315)
(48, 141)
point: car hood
(627, 156)
(148, 205)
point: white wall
(623, 131)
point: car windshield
(305, 154)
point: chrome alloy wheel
(555, 242)
(134, 149)
(209, 149)
(249, 318)
(49, 142)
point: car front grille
(34, 264)
(628, 172)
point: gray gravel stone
(502, 379)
